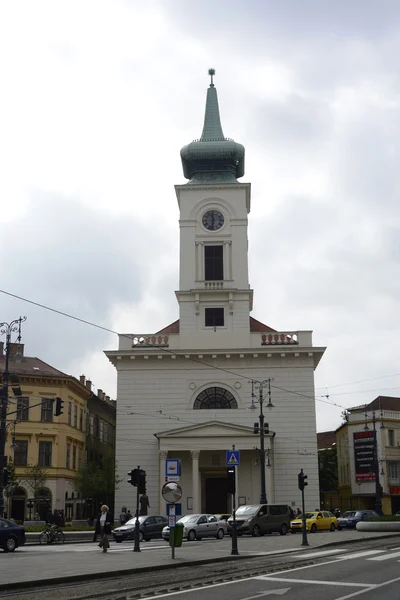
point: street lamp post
(8, 329)
(260, 386)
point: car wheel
(10, 545)
(283, 529)
(332, 527)
(147, 539)
(191, 535)
(119, 541)
(140, 536)
(220, 534)
(256, 531)
(313, 528)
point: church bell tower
(214, 294)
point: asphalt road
(370, 574)
(273, 564)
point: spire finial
(211, 72)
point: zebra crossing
(343, 554)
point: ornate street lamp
(8, 329)
(260, 386)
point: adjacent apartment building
(58, 444)
(359, 470)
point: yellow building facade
(35, 436)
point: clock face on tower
(213, 220)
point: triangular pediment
(208, 429)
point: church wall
(147, 386)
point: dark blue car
(11, 535)
(350, 518)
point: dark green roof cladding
(213, 158)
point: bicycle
(52, 534)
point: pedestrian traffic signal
(231, 473)
(59, 407)
(302, 480)
(142, 481)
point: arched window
(215, 397)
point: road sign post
(172, 493)
(233, 461)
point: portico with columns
(185, 391)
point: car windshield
(133, 521)
(246, 510)
(349, 513)
(310, 515)
(189, 519)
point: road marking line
(386, 557)
(372, 587)
(318, 554)
(312, 581)
(360, 554)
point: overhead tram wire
(165, 350)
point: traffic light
(231, 473)
(59, 407)
(302, 480)
(138, 479)
(256, 428)
(134, 477)
(142, 481)
(6, 477)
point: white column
(196, 481)
(163, 455)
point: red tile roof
(381, 402)
(326, 439)
(255, 327)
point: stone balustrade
(149, 340)
(213, 285)
(286, 338)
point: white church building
(185, 392)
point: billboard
(364, 455)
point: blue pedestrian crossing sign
(232, 458)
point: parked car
(315, 521)
(198, 526)
(258, 519)
(350, 518)
(149, 528)
(11, 535)
(397, 514)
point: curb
(19, 585)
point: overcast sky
(97, 99)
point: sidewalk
(44, 565)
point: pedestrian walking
(104, 524)
(128, 515)
(123, 517)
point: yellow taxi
(315, 521)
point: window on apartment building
(213, 263)
(105, 434)
(45, 449)
(75, 416)
(101, 430)
(68, 457)
(74, 457)
(23, 408)
(79, 457)
(92, 425)
(394, 472)
(214, 317)
(391, 437)
(96, 426)
(21, 453)
(46, 410)
(81, 419)
(69, 413)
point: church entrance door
(217, 495)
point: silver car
(198, 526)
